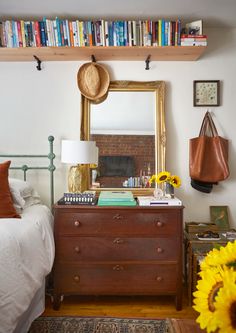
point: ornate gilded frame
(158, 87)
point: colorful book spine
(37, 34)
(42, 33)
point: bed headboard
(51, 167)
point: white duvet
(26, 257)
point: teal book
(117, 203)
(116, 195)
(116, 198)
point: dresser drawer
(116, 248)
(116, 278)
(124, 223)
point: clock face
(206, 93)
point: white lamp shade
(79, 152)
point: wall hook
(38, 63)
(93, 58)
(147, 62)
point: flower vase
(168, 190)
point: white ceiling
(214, 13)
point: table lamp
(79, 154)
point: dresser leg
(56, 301)
(178, 302)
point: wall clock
(206, 93)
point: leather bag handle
(208, 126)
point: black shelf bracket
(38, 63)
(93, 58)
(147, 62)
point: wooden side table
(195, 250)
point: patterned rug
(98, 325)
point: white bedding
(26, 257)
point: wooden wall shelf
(102, 53)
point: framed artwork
(219, 216)
(206, 93)
(194, 28)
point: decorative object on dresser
(168, 181)
(118, 251)
(85, 198)
(81, 153)
(206, 93)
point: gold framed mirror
(149, 94)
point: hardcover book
(116, 198)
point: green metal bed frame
(51, 167)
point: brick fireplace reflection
(140, 149)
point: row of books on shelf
(77, 33)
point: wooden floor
(122, 306)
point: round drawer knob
(118, 268)
(159, 250)
(159, 224)
(77, 223)
(117, 217)
(118, 241)
(77, 249)
(76, 278)
(159, 278)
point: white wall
(36, 104)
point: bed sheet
(26, 257)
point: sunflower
(204, 302)
(226, 304)
(175, 181)
(163, 176)
(224, 256)
(153, 179)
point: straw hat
(93, 80)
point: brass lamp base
(77, 178)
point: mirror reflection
(123, 127)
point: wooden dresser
(118, 251)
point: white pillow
(30, 201)
(23, 194)
(21, 186)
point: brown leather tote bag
(208, 154)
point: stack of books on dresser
(152, 201)
(116, 198)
